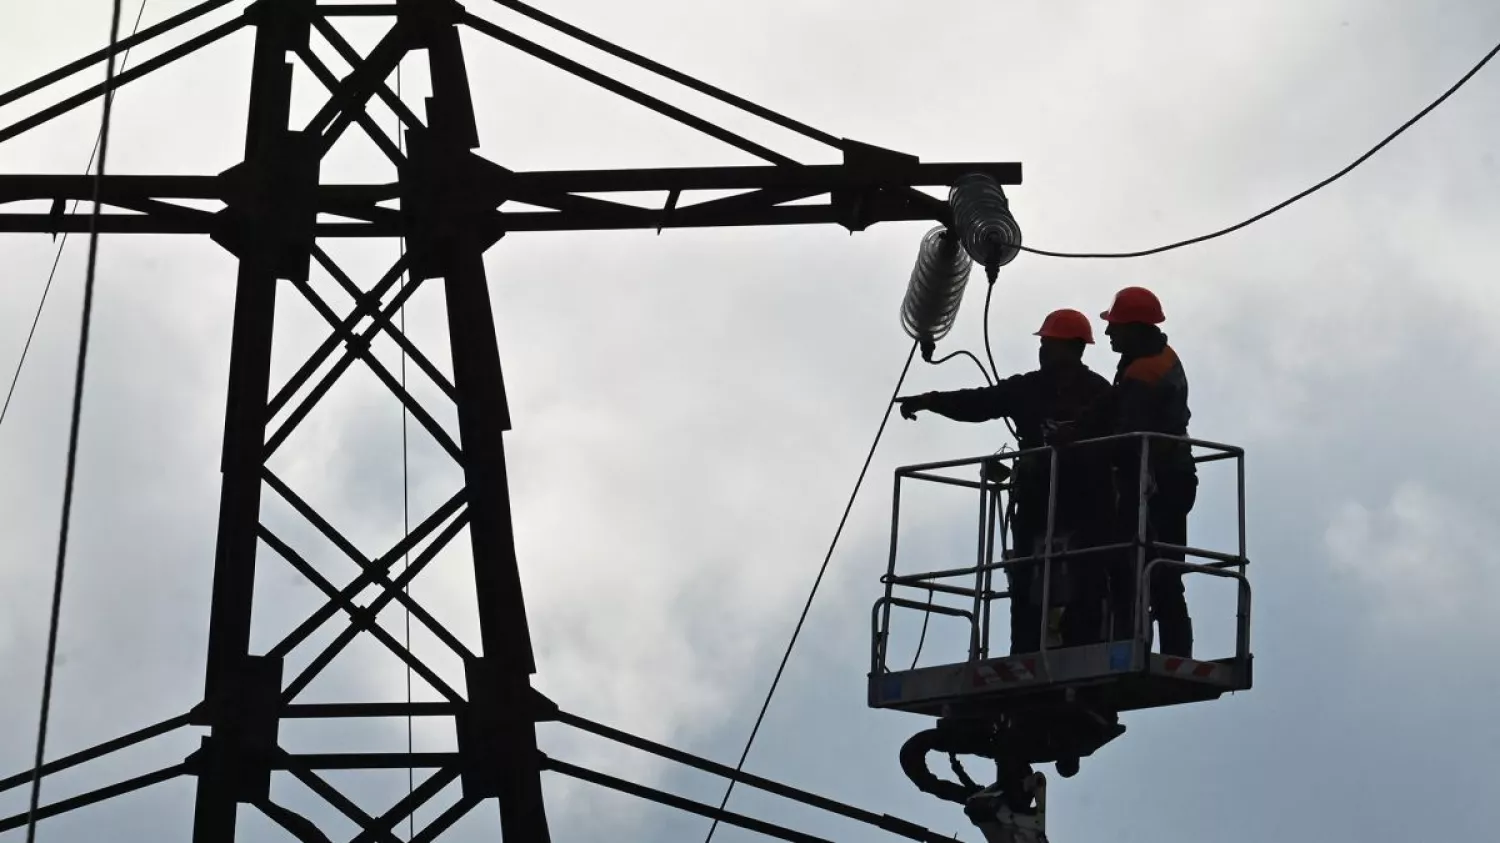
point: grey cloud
(690, 409)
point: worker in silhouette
(1150, 393)
(1060, 388)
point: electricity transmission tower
(448, 206)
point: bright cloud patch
(1428, 557)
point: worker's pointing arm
(967, 405)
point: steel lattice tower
(275, 214)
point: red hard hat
(1067, 324)
(1134, 304)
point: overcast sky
(691, 409)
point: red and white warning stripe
(1178, 666)
(1004, 672)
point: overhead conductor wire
(62, 244)
(70, 472)
(1297, 198)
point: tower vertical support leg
(241, 691)
(498, 734)
(450, 230)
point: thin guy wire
(71, 471)
(62, 244)
(411, 775)
(884, 419)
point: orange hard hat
(1067, 324)
(1134, 304)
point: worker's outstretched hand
(910, 405)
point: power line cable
(988, 293)
(813, 593)
(62, 244)
(1300, 196)
(71, 471)
(989, 355)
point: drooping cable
(817, 581)
(922, 639)
(61, 245)
(55, 619)
(988, 294)
(983, 372)
(1300, 196)
(989, 355)
(411, 772)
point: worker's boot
(1177, 637)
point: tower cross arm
(859, 195)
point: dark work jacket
(1150, 393)
(1032, 400)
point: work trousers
(1079, 586)
(1025, 602)
(1168, 506)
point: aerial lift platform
(1060, 703)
